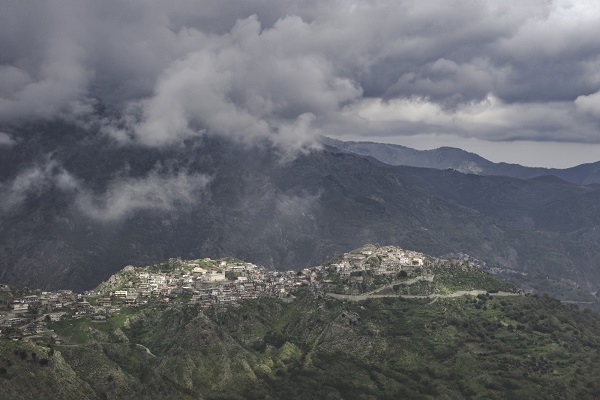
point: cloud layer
(32, 182)
(159, 190)
(154, 192)
(287, 71)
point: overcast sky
(514, 81)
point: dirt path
(145, 348)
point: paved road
(362, 297)
(428, 278)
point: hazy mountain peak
(463, 161)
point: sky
(515, 81)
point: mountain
(462, 161)
(307, 344)
(95, 206)
(255, 206)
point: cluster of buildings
(379, 260)
(372, 265)
(29, 314)
(208, 283)
(211, 284)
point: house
(417, 262)
(195, 298)
(54, 317)
(20, 307)
(214, 276)
(31, 299)
(206, 305)
(83, 304)
(12, 321)
(130, 300)
(104, 302)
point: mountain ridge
(463, 161)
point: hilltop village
(209, 284)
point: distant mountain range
(462, 161)
(251, 204)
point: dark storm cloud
(286, 71)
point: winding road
(366, 296)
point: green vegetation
(445, 278)
(490, 346)
(482, 347)
(448, 280)
(232, 260)
(486, 347)
(85, 331)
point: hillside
(308, 344)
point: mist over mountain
(77, 207)
(462, 161)
(130, 205)
(191, 139)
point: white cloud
(6, 140)
(33, 181)
(156, 192)
(297, 206)
(159, 190)
(488, 119)
(589, 104)
(244, 85)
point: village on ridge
(209, 284)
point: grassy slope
(523, 347)
(482, 348)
